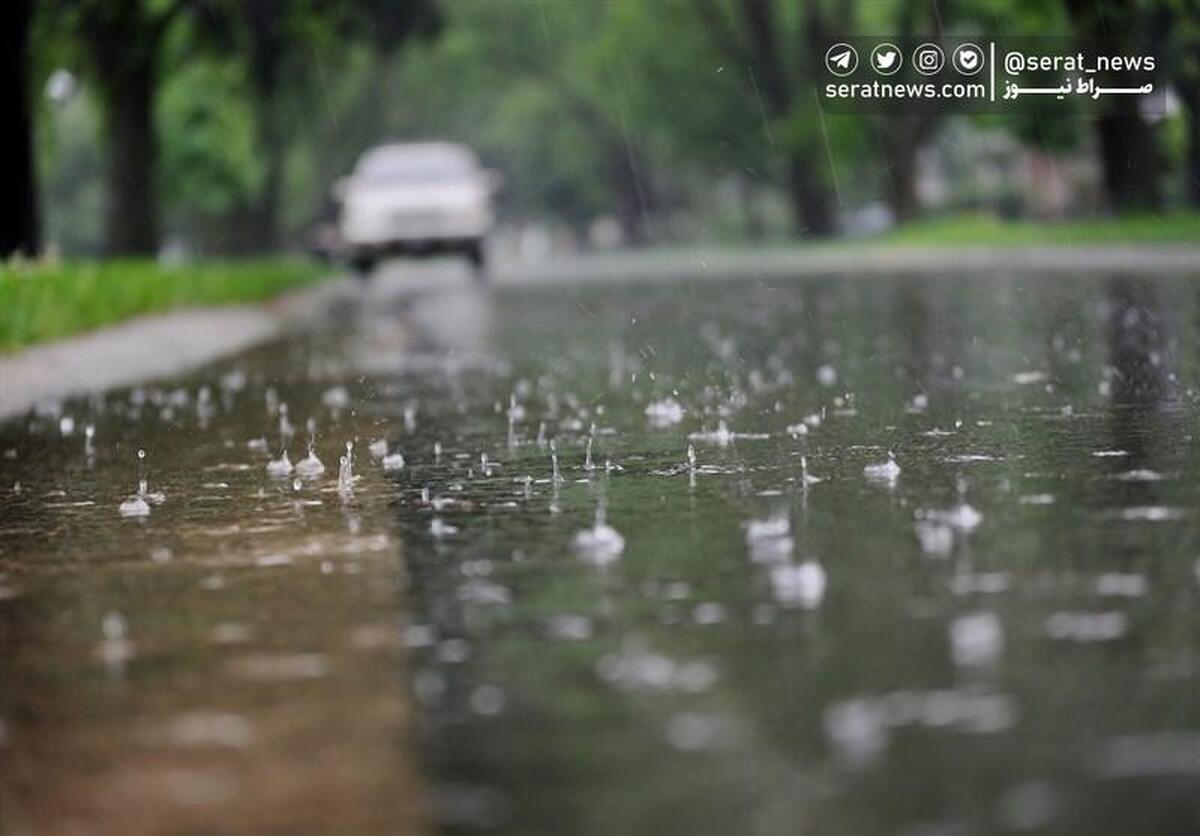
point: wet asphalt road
(779, 631)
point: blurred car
(415, 199)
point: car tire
(478, 260)
(362, 266)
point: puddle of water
(871, 556)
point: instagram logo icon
(928, 59)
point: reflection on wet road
(844, 556)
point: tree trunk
(264, 21)
(632, 194)
(902, 181)
(758, 47)
(266, 213)
(1190, 93)
(752, 221)
(1193, 164)
(902, 196)
(1128, 153)
(19, 231)
(1129, 158)
(809, 197)
(128, 81)
(901, 137)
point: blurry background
(216, 127)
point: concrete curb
(152, 347)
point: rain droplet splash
(310, 467)
(886, 473)
(281, 466)
(134, 506)
(346, 470)
(601, 544)
(393, 461)
(806, 478)
(556, 475)
(139, 504)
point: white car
(415, 199)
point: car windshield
(415, 166)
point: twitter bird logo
(886, 59)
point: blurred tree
(778, 48)
(525, 83)
(902, 134)
(131, 49)
(278, 39)
(123, 41)
(671, 116)
(1181, 21)
(19, 229)
(1129, 155)
(688, 99)
(211, 168)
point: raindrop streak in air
(286, 430)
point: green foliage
(41, 302)
(985, 230)
(689, 96)
(579, 103)
(210, 162)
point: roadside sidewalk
(152, 347)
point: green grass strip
(40, 302)
(989, 231)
